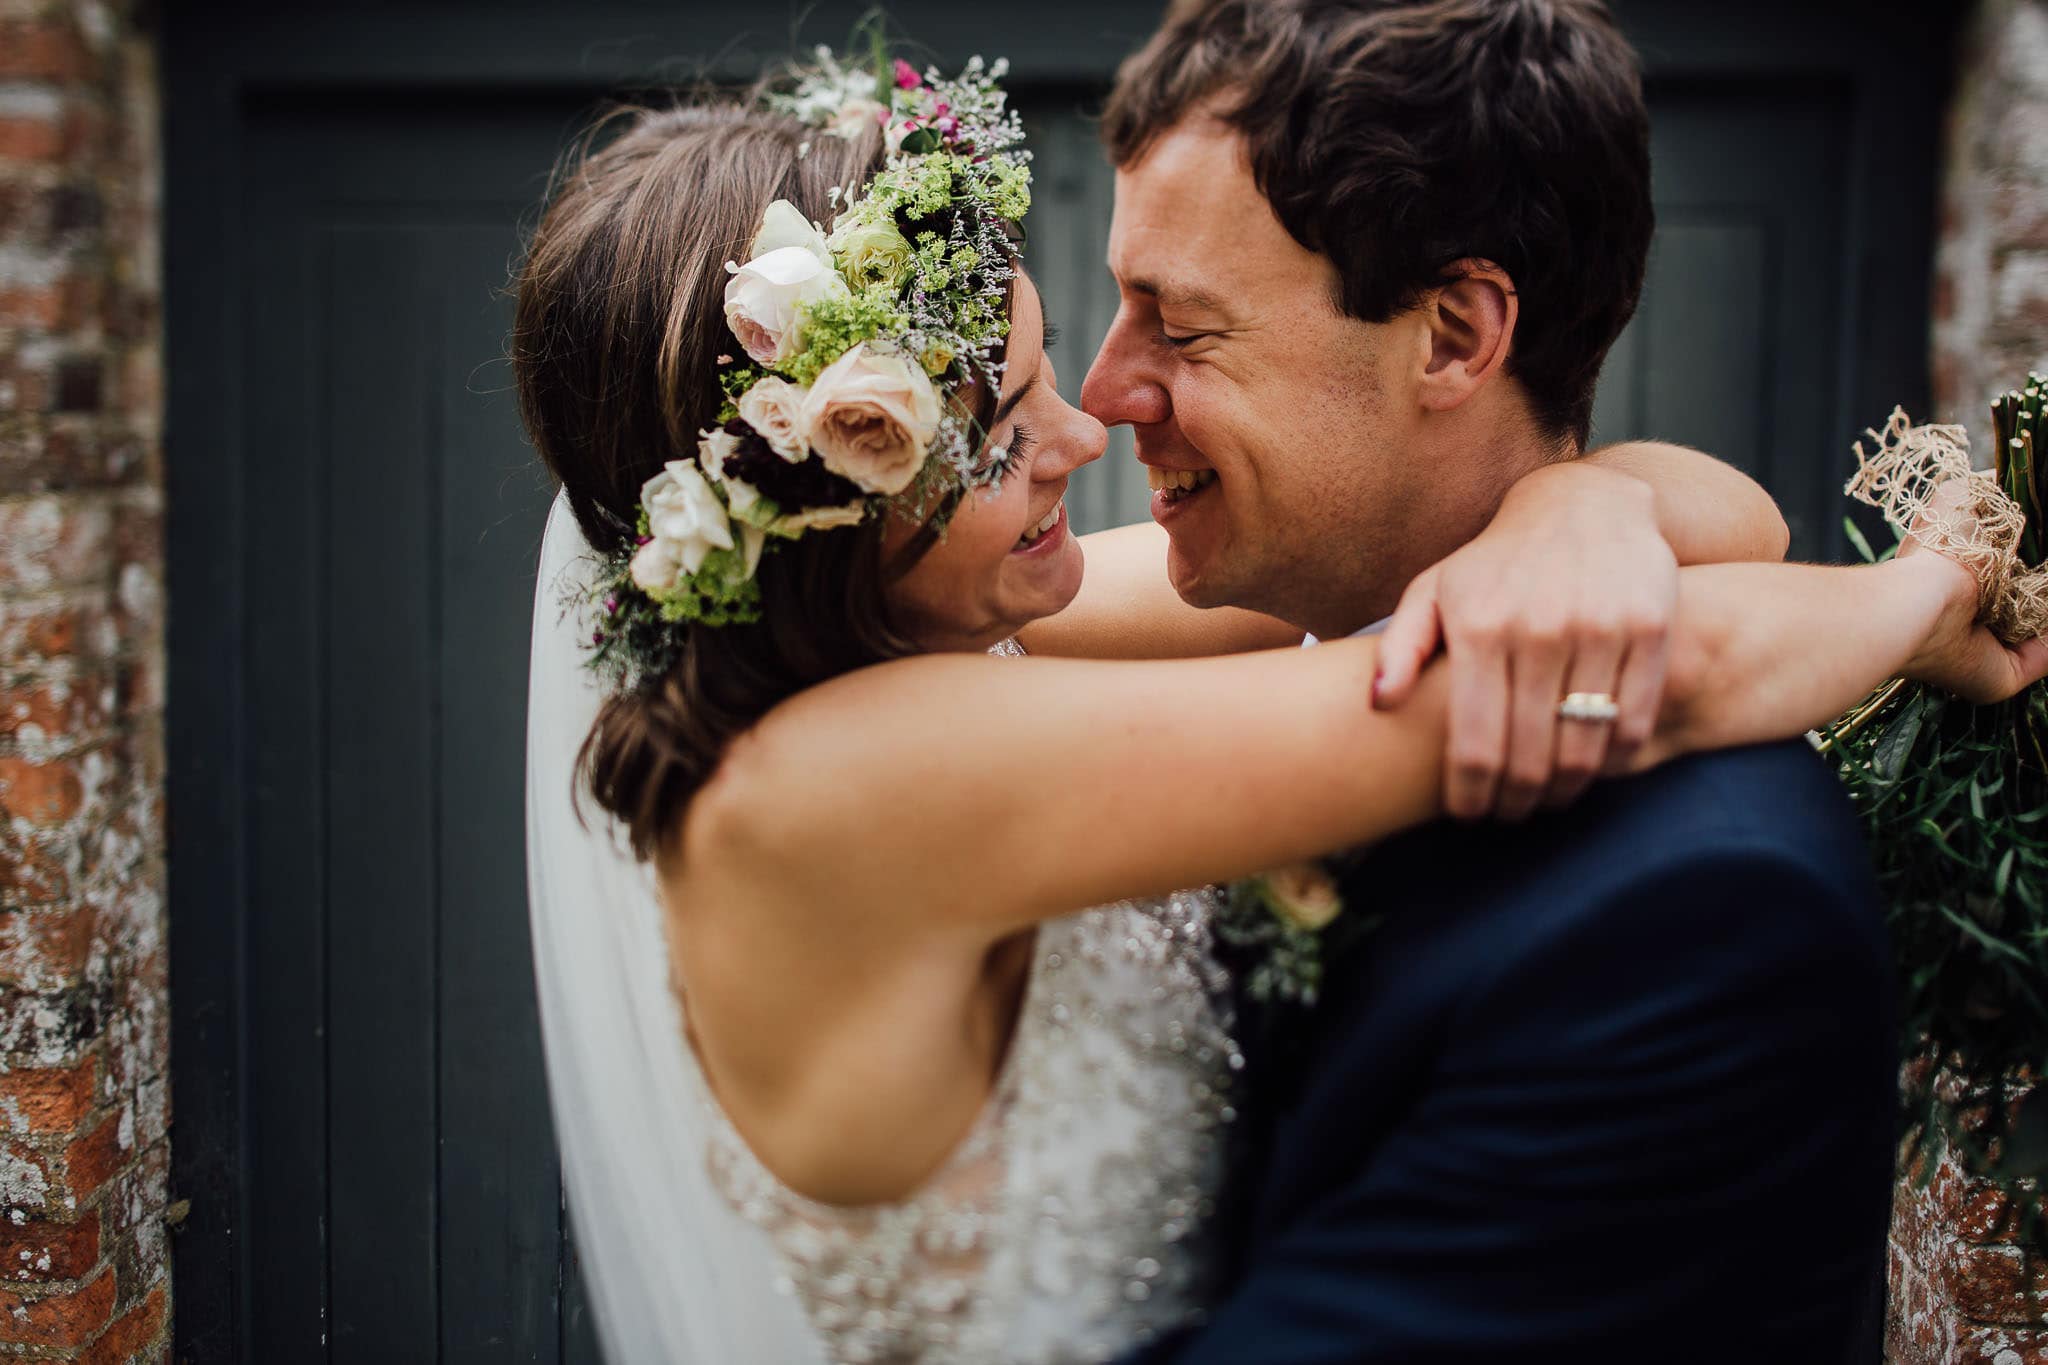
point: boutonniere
(1283, 920)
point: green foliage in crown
(852, 344)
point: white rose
(765, 297)
(683, 515)
(871, 417)
(784, 225)
(774, 407)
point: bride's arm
(997, 792)
(1707, 511)
(1127, 609)
(1769, 650)
(985, 794)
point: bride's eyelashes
(1007, 458)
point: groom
(1614, 1083)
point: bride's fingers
(2030, 662)
(1408, 643)
(1538, 667)
(1477, 744)
(1582, 745)
(1639, 693)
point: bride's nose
(1082, 442)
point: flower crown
(848, 340)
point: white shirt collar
(1373, 629)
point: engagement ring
(1599, 707)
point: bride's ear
(1471, 325)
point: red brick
(42, 1250)
(40, 792)
(1992, 1284)
(1976, 1345)
(55, 709)
(32, 139)
(91, 1161)
(83, 625)
(67, 1318)
(48, 51)
(132, 1334)
(46, 950)
(40, 306)
(32, 872)
(54, 540)
(47, 1100)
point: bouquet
(1955, 800)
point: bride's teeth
(1044, 528)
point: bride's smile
(1007, 558)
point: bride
(838, 1071)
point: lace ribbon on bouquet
(1922, 480)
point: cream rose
(655, 566)
(685, 520)
(871, 417)
(774, 407)
(1303, 896)
(765, 297)
(871, 250)
(714, 447)
(856, 116)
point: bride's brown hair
(615, 345)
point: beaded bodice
(1068, 1225)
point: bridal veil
(674, 1274)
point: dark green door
(362, 1122)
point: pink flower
(871, 417)
(906, 76)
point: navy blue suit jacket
(1612, 1085)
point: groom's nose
(1123, 387)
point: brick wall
(83, 1014)
(1991, 272)
(1963, 1291)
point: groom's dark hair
(1399, 138)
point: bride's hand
(1960, 655)
(1570, 589)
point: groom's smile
(1260, 409)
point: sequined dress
(1069, 1225)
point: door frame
(220, 60)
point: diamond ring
(1597, 707)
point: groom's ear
(1471, 322)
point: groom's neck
(1474, 465)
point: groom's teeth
(1178, 480)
